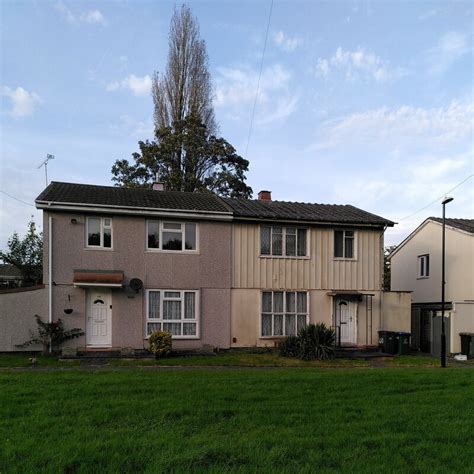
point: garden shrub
(313, 342)
(160, 343)
(51, 334)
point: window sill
(280, 257)
(179, 338)
(342, 259)
(278, 338)
(104, 249)
(423, 278)
(174, 252)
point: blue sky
(368, 103)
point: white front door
(347, 320)
(99, 318)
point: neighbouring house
(121, 263)
(416, 267)
(10, 276)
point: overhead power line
(437, 199)
(16, 199)
(258, 81)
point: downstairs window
(173, 311)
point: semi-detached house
(214, 272)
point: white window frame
(354, 243)
(272, 336)
(283, 243)
(423, 259)
(182, 232)
(161, 321)
(102, 227)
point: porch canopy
(349, 293)
(103, 278)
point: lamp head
(446, 200)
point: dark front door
(425, 330)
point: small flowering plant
(51, 334)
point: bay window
(173, 311)
(284, 313)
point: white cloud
(23, 103)
(286, 43)
(236, 88)
(140, 86)
(91, 16)
(357, 63)
(439, 126)
(138, 129)
(451, 47)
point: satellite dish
(136, 284)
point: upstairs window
(171, 236)
(344, 243)
(281, 241)
(99, 232)
(424, 266)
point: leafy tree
(185, 87)
(186, 154)
(204, 162)
(387, 266)
(26, 254)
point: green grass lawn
(257, 420)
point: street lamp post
(445, 201)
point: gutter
(136, 211)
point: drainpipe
(50, 274)
(382, 240)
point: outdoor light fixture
(445, 201)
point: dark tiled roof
(299, 211)
(87, 194)
(466, 225)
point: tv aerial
(45, 164)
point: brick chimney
(158, 186)
(265, 196)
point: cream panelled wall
(319, 271)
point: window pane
(290, 302)
(172, 328)
(93, 229)
(301, 302)
(422, 266)
(153, 234)
(107, 222)
(266, 324)
(278, 325)
(278, 301)
(276, 241)
(172, 241)
(290, 244)
(290, 324)
(300, 321)
(189, 305)
(349, 247)
(189, 329)
(172, 294)
(301, 251)
(171, 226)
(152, 327)
(427, 265)
(338, 243)
(154, 305)
(171, 309)
(107, 237)
(265, 233)
(190, 237)
(267, 302)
